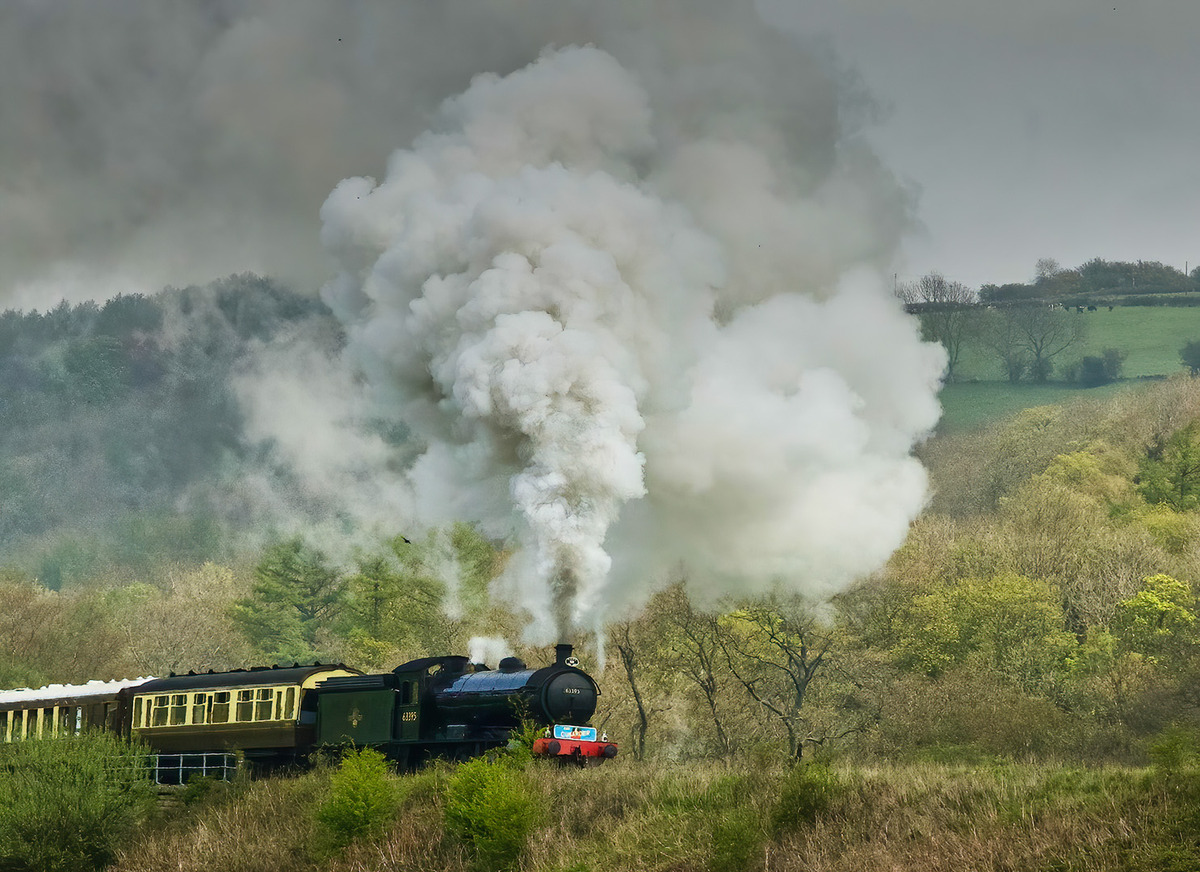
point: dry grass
(711, 818)
(268, 827)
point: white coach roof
(53, 692)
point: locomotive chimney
(561, 652)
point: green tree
(1009, 624)
(363, 798)
(96, 368)
(1170, 471)
(490, 808)
(296, 595)
(418, 596)
(1159, 621)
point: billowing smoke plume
(615, 340)
(622, 297)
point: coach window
(4, 726)
(199, 708)
(220, 708)
(264, 699)
(245, 706)
(178, 710)
(285, 698)
(158, 714)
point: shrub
(489, 809)
(737, 840)
(807, 792)
(363, 797)
(1092, 373)
(1189, 356)
(1174, 749)
(1114, 362)
(66, 804)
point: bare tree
(629, 650)
(641, 646)
(1032, 336)
(775, 651)
(694, 639)
(1046, 268)
(947, 312)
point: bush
(66, 804)
(1174, 750)
(489, 809)
(737, 841)
(807, 792)
(363, 797)
(1189, 355)
(1091, 372)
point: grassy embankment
(1150, 337)
(643, 817)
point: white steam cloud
(611, 339)
(623, 298)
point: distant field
(1150, 337)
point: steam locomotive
(433, 707)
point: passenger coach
(265, 714)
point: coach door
(407, 711)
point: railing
(178, 768)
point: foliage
(807, 792)
(416, 596)
(1176, 749)
(1160, 620)
(490, 809)
(1009, 624)
(68, 804)
(1096, 277)
(1097, 370)
(363, 798)
(1189, 355)
(1175, 531)
(129, 409)
(969, 714)
(737, 841)
(776, 648)
(1170, 471)
(296, 595)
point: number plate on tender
(582, 734)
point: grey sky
(1065, 129)
(169, 142)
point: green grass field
(972, 405)
(1150, 337)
